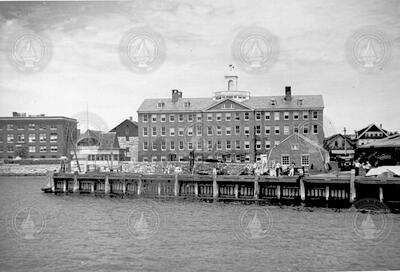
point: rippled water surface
(45, 232)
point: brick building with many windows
(231, 126)
(35, 136)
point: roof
(335, 136)
(255, 102)
(36, 118)
(371, 127)
(106, 140)
(390, 141)
(130, 122)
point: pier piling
(176, 185)
(352, 186)
(302, 190)
(215, 184)
(107, 185)
(75, 187)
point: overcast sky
(85, 67)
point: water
(87, 233)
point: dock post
(236, 190)
(159, 188)
(176, 185)
(327, 193)
(196, 189)
(139, 187)
(215, 184)
(75, 188)
(302, 190)
(256, 186)
(64, 186)
(92, 186)
(352, 186)
(381, 194)
(107, 184)
(278, 191)
(123, 187)
(50, 180)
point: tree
(21, 152)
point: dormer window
(300, 102)
(187, 104)
(273, 102)
(160, 105)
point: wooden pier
(337, 191)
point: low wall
(31, 170)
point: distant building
(36, 136)
(96, 150)
(370, 134)
(231, 126)
(339, 145)
(127, 134)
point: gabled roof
(256, 103)
(373, 127)
(218, 102)
(338, 135)
(126, 121)
(390, 141)
(105, 140)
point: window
(237, 130)
(209, 117)
(42, 138)
(294, 146)
(163, 131)
(228, 158)
(277, 130)
(145, 145)
(154, 146)
(53, 137)
(219, 130)
(258, 145)
(31, 126)
(276, 116)
(145, 118)
(172, 117)
(296, 115)
(238, 145)
(228, 130)
(53, 127)
(163, 158)
(145, 159)
(43, 148)
(190, 131)
(258, 130)
(247, 158)
(180, 117)
(258, 116)
(305, 129)
(190, 118)
(228, 145)
(172, 145)
(315, 115)
(305, 160)
(209, 131)
(296, 129)
(10, 138)
(227, 116)
(267, 144)
(246, 116)
(163, 145)
(238, 158)
(246, 145)
(53, 148)
(246, 131)
(267, 116)
(198, 117)
(171, 131)
(154, 158)
(180, 158)
(237, 116)
(10, 126)
(286, 130)
(219, 144)
(10, 148)
(285, 160)
(21, 138)
(286, 115)
(32, 149)
(209, 145)
(218, 117)
(315, 129)
(180, 131)
(305, 115)
(145, 131)
(199, 145)
(267, 130)
(154, 118)
(154, 131)
(199, 132)
(277, 142)
(163, 118)
(180, 145)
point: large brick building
(231, 126)
(36, 136)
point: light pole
(345, 142)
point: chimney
(130, 118)
(288, 93)
(380, 126)
(176, 95)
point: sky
(85, 71)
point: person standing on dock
(291, 171)
(357, 167)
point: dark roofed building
(127, 134)
(339, 145)
(231, 126)
(370, 134)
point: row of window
(231, 116)
(32, 138)
(31, 149)
(217, 130)
(102, 157)
(29, 126)
(209, 145)
(285, 159)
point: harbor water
(47, 232)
